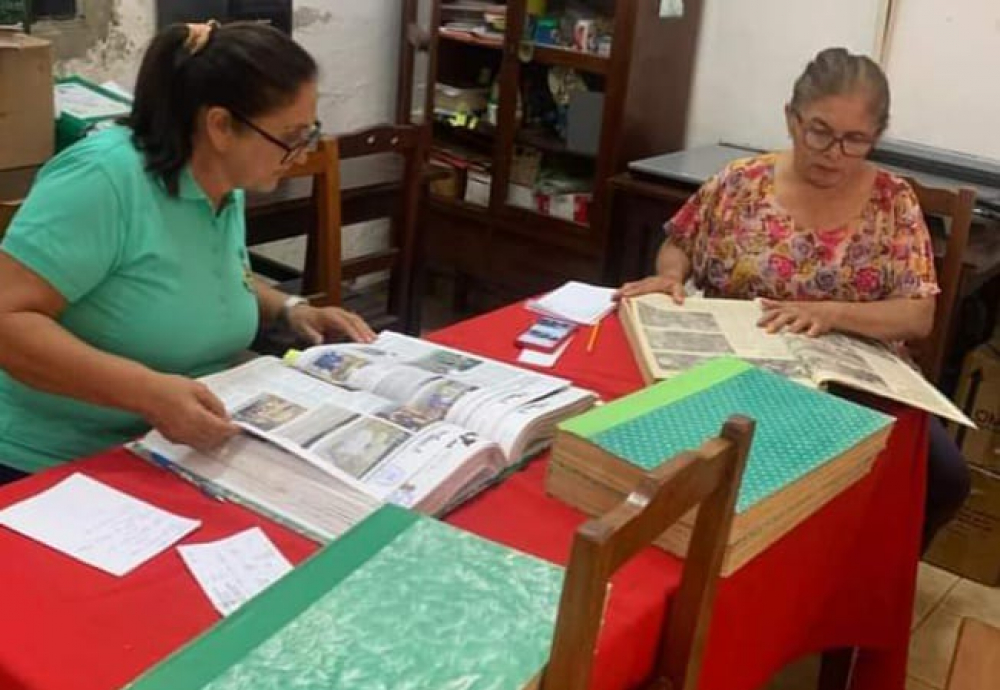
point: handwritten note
(96, 524)
(232, 571)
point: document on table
(578, 302)
(232, 571)
(97, 524)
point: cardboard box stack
(970, 545)
(27, 110)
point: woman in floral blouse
(826, 239)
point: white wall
(944, 67)
(751, 51)
(943, 62)
(354, 42)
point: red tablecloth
(845, 577)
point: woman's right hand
(185, 411)
(670, 285)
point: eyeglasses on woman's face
(820, 137)
(307, 143)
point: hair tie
(199, 35)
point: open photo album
(668, 339)
(334, 431)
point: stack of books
(808, 447)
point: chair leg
(835, 669)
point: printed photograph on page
(268, 411)
(835, 358)
(358, 447)
(651, 317)
(436, 399)
(680, 337)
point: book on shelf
(399, 601)
(334, 431)
(808, 447)
(667, 339)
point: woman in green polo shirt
(125, 274)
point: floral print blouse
(743, 245)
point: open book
(668, 339)
(400, 421)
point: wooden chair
(956, 208)
(322, 278)
(7, 211)
(709, 477)
(976, 664)
(325, 270)
(401, 258)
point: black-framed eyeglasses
(852, 144)
(308, 144)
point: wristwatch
(289, 304)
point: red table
(845, 577)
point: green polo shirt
(160, 280)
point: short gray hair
(837, 72)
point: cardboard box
(970, 544)
(27, 111)
(477, 187)
(521, 196)
(979, 397)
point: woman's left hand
(810, 318)
(317, 324)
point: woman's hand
(185, 411)
(672, 286)
(811, 318)
(317, 324)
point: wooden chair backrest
(400, 257)
(323, 275)
(955, 206)
(976, 663)
(710, 478)
(325, 269)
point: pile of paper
(577, 302)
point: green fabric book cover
(798, 429)
(400, 602)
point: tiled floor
(942, 600)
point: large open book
(667, 339)
(336, 430)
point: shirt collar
(188, 188)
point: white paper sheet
(542, 359)
(96, 524)
(577, 302)
(232, 571)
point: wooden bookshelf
(646, 84)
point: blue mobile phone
(546, 334)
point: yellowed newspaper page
(675, 337)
